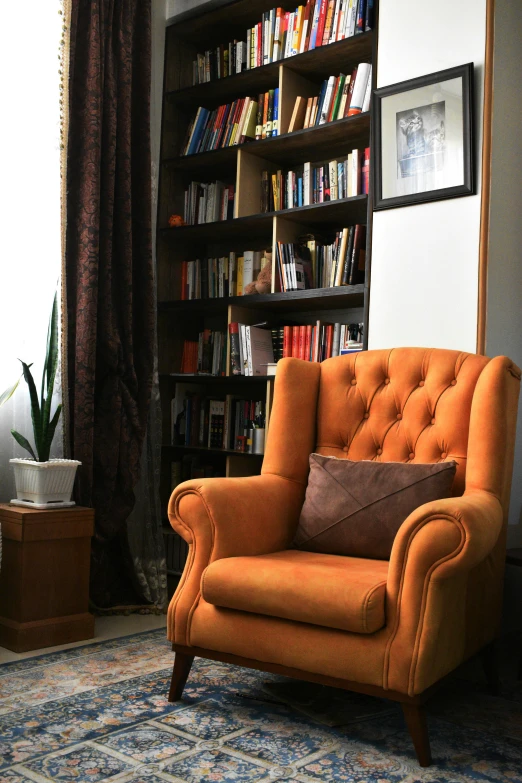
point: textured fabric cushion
(356, 508)
(336, 592)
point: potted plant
(42, 482)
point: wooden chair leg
(415, 718)
(489, 656)
(180, 672)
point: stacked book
(313, 265)
(212, 278)
(281, 34)
(239, 122)
(199, 421)
(207, 356)
(321, 341)
(315, 184)
(208, 202)
(340, 96)
(251, 349)
(267, 125)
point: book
(328, 22)
(248, 268)
(321, 23)
(308, 111)
(365, 171)
(249, 127)
(368, 93)
(270, 113)
(359, 89)
(259, 118)
(361, 16)
(339, 87)
(315, 24)
(259, 349)
(216, 424)
(235, 365)
(298, 115)
(275, 115)
(356, 172)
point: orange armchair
(392, 629)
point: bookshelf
(241, 165)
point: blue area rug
(99, 713)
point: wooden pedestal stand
(44, 577)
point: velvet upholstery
(356, 507)
(346, 593)
(444, 580)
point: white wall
(425, 257)
(30, 251)
(504, 292)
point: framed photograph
(423, 139)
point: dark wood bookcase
(180, 320)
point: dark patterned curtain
(110, 288)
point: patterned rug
(99, 713)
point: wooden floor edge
(299, 674)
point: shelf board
(212, 379)
(340, 213)
(317, 64)
(341, 297)
(212, 451)
(329, 140)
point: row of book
(211, 278)
(340, 96)
(281, 34)
(251, 349)
(199, 421)
(248, 119)
(309, 184)
(206, 202)
(243, 120)
(312, 265)
(322, 341)
(207, 356)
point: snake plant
(44, 426)
(8, 393)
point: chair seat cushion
(346, 593)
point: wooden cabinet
(44, 577)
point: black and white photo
(423, 139)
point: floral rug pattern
(99, 713)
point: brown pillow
(356, 508)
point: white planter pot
(44, 484)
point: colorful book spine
(275, 114)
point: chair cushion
(346, 593)
(356, 508)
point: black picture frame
(467, 188)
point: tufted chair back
(399, 405)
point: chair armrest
(453, 534)
(435, 550)
(228, 517)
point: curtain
(110, 295)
